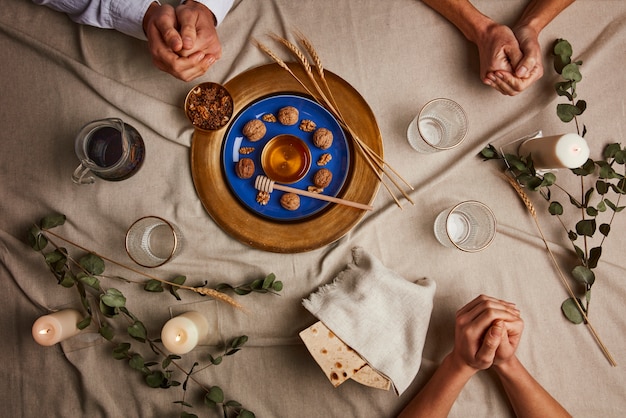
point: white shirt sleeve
(125, 16)
(219, 8)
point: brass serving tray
(336, 220)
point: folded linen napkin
(379, 314)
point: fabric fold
(379, 314)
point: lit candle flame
(44, 331)
(178, 337)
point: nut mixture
(209, 107)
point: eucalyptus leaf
(106, 331)
(571, 72)
(113, 298)
(562, 48)
(566, 112)
(136, 361)
(594, 257)
(36, 239)
(602, 187)
(605, 229)
(184, 414)
(583, 275)
(84, 323)
(586, 227)
(92, 263)
(214, 396)
(52, 221)
(555, 208)
(571, 311)
(244, 413)
(155, 379)
(90, 281)
(138, 331)
(153, 286)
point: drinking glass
(108, 148)
(440, 125)
(152, 241)
(469, 226)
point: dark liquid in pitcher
(105, 146)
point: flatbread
(369, 377)
(338, 361)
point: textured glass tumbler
(469, 226)
(152, 241)
(440, 125)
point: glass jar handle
(79, 174)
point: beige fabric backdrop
(398, 54)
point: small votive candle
(56, 327)
(182, 333)
(558, 151)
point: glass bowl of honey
(286, 159)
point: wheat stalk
(325, 97)
(531, 208)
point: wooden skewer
(266, 184)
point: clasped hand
(183, 41)
(487, 332)
(510, 59)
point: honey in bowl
(286, 159)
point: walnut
(323, 177)
(244, 168)
(323, 138)
(288, 115)
(246, 150)
(254, 130)
(262, 198)
(290, 201)
(324, 159)
(307, 125)
(269, 117)
(315, 189)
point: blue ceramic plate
(308, 109)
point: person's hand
(182, 41)
(529, 68)
(482, 326)
(511, 336)
(498, 51)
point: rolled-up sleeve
(125, 16)
(219, 8)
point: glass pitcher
(108, 148)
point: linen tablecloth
(57, 76)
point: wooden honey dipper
(265, 184)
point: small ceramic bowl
(209, 106)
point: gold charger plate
(285, 237)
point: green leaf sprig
(602, 185)
(86, 274)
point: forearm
(539, 13)
(528, 398)
(462, 14)
(438, 395)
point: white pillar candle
(558, 151)
(182, 333)
(56, 327)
